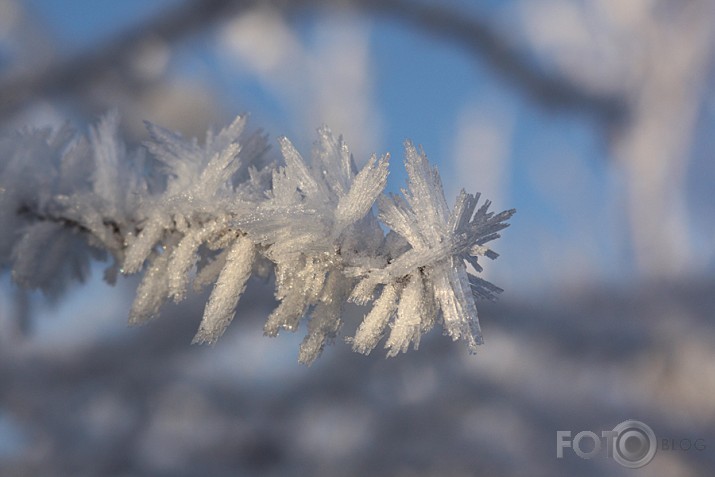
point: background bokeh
(593, 119)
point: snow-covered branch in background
(218, 212)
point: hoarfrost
(219, 212)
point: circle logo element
(635, 444)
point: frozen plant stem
(218, 212)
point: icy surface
(188, 215)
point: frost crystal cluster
(194, 215)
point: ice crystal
(431, 274)
(218, 212)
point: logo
(631, 443)
(634, 444)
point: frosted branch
(221, 211)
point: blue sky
(81, 23)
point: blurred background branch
(76, 75)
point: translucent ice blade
(231, 283)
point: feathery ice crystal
(218, 212)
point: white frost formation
(218, 212)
